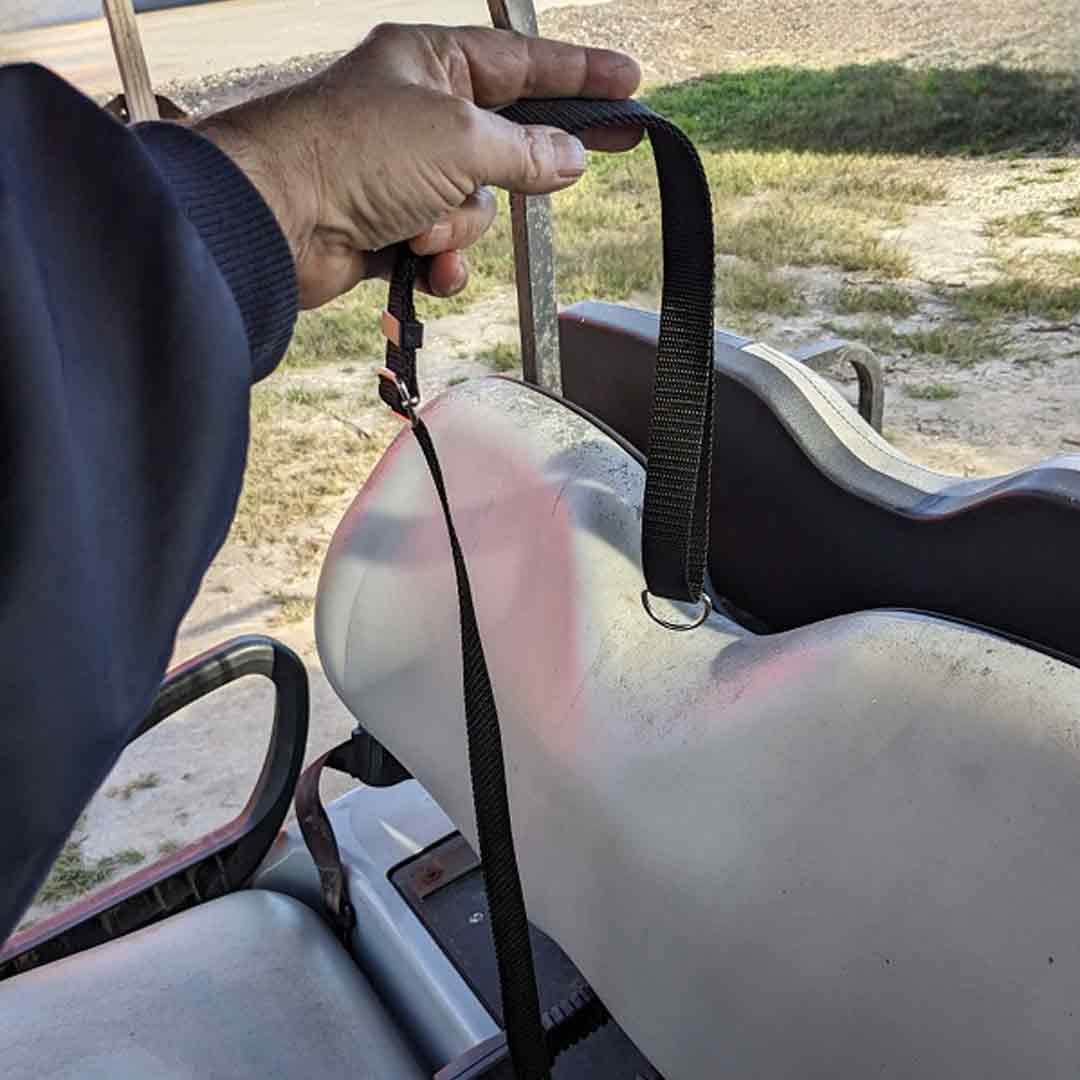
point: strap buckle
(399, 398)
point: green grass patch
(788, 231)
(885, 300)
(931, 392)
(302, 395)
(1047, 287)
(959, 343)
(877, 108)
(1021, 226)
(343, 330)
(502, 356)
(1071, 209)
(73, 875)
(750, 289)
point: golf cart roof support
(131, 60)
(534, 249)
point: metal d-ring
(407, 402)
(706, 611)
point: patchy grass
(168, 847)
(1046, 287)
(292, 607)
(959, 343)
(1038, 178)
(931, 392)
(72, 875)
(502, 356)
(788, 231)
(777, 203)
(749, 289)
(302, 462)
(1071, 209)
(345, 329)
(1021, 226)
(142, 782)
(302, 395)
(806, 168)
(886, 300)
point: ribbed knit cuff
(239, 229)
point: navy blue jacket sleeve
(144, 285)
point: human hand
(396, 141)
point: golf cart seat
(815, 515)
(252, 984)
(843, 850)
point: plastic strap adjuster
(405, 335)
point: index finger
(502, 66)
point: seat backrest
(815, 515)
(845, 850)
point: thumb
(529, 159)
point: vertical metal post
(534, 249)
(131, 60)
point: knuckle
(537, 156)
(387, 33)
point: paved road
(190, 42)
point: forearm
(143, 287)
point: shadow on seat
(815, 515)
(251, 984)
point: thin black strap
(403, 333)
(502, 881)
(676, 513)
(675, 524)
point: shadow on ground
(878, 108)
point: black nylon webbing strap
(502, 881)
(403, 332)
(676, 513)
(675, 525)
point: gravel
(677, 39)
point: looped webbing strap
(675, 525)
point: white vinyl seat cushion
(249, 985)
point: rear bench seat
(250, 985)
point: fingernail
(438, 235)
(569, 155)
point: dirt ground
(982, 418)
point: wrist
(256, 159)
